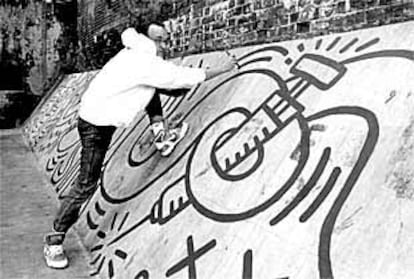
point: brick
(260, 18)
(268, 3)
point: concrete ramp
(299, 166)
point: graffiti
(259, 151)
(142, 275)
(190, 260)
(57, 115)
(52, 131)
(392, 95)
(247, 265)
(97, 251)
(306, 60)
(238, 152)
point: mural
(269, 179)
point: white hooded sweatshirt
(126, 84)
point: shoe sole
(63, 266)
(55, 266)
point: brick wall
(207, 25)
(82, 42)
(100, 23)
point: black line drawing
(306, 60)
(274, 112)
(143, 274)
(333, 44)
(171, 202)
(247, 265)
(190, 260)
(236, 154)
(99, 249)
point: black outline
(190, 260)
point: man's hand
(229, 64)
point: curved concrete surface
(298, 166)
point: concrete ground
(27, 209)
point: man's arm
(173, 92)
(165, 74)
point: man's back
(112, 97)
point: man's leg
(154, 109)
(165, 139)
(95, 142)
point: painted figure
(125, 86)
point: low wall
(297, 166)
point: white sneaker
(166, 140)
(54, 254)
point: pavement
(27, 210)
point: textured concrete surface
(27, 206)
(298, 166)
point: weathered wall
(15, 107)
(101, 23)
(22, 49)
(298, 166)
(199, 26)
(196, 26)
(212, 24)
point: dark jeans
(95, 141)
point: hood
(133, 40)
